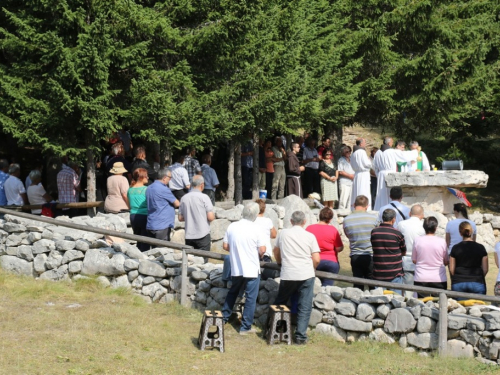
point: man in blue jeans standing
(246, 244)
(298, 253)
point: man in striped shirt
(357, 228)
(389, 248)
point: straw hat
(118, 168)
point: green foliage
(185, 72)
(453, 153)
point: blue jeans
(226, 269)
(397, 280)
(469, 287)
(251, 287)
(305, 290)
(328, 266)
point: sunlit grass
(81, 328)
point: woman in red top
(329, 242)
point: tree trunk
(255, 172)
(230, 173)
(238, 182)
(91, 172)
(335, 133)
(163, 152)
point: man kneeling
(298, 253)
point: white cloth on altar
(361, 165)
(412, 155)
(387, 163)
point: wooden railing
(443, 294)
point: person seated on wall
(36, 192)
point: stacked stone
(350, 314)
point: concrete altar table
(429, 188)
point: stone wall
(56, 253)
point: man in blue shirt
(4, 167)
(161, 206)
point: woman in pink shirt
(430, 255)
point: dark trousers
(162, 234)
(328, 266)
(202, 243)
(311, 181)
(362, 267)
(305, 290)
(373, 189)
(269, 183)
(179, 193)
(211, 195)
(139, 222)
(247, 179)
(441, 285)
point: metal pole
(184, 278)
(443, 324)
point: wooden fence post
(184, 278)
(443, 324)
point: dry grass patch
(80, 328)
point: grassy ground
(79, 328)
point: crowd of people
(398, 245)
(308, 170)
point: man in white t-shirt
(14, 187)
(246, 244)
(298, 253)
(411, 229)
(402, 211)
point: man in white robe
(413, 155)
(386, 164)
(361, 165)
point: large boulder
(218, 229)
(351, 324)
(103, 262)
(423, 340)
(458, 348)
(152, 268)
(16, 265)
(338, 334)
(486, 237)
(399, 320)
(294, 203)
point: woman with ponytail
(468, 263)
(138, 205)
(452, 233)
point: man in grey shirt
(298, 253)
(197, 211)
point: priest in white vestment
(387, 163)
(418, 158)
(361, 165)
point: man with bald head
(411, 229)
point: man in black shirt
(140, 162)
(389, 247)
